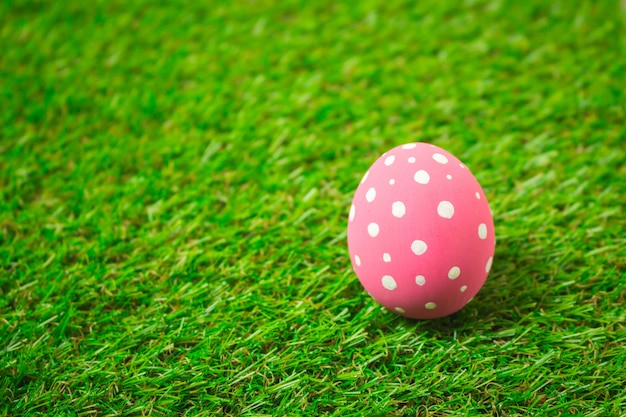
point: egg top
(420, 232)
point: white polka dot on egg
(421, 177)
(482, 231)
(430, 306)
(352, 212)
(419, 247)
(411, 160)
(373, 229)
(445, 209)
(389, 160)
(454, 272)
(357, 260)
(386, 257)
(420, 280)
(440, 158)
(370, 195)
(389, 283)
(398, 209)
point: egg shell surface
(421, 236)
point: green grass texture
(175, 181)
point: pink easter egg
(420, 232)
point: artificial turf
(175, 179)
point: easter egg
(421, 236)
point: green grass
(175, 182)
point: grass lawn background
(175, 180)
